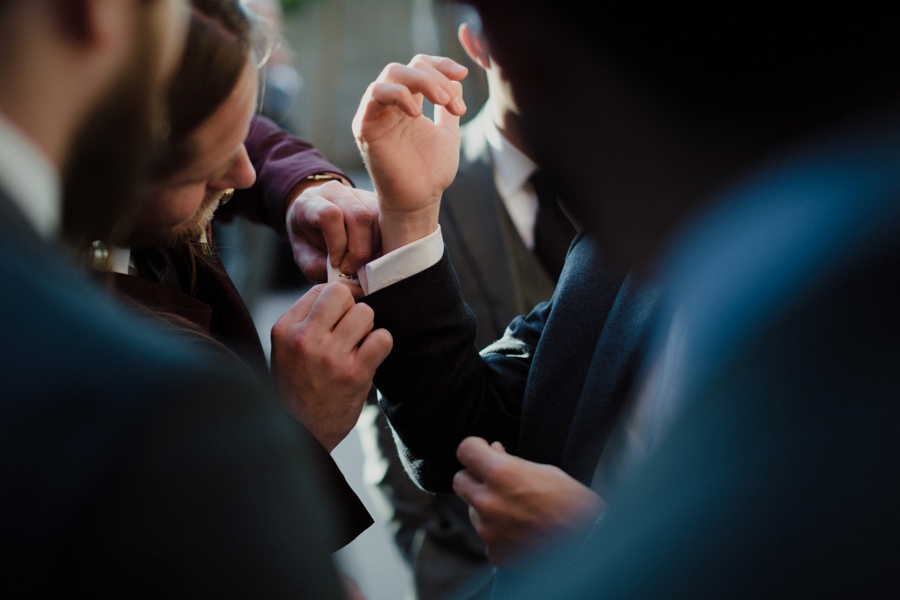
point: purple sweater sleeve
(281, 161)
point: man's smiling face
(180, 207)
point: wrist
(312, 181)
(400, 228)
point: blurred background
(325, 55)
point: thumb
(444, 119)
(475, 454)
(447, 116)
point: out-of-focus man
(753, 161)
(133, 463)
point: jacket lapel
(610, 377)
(587, 292)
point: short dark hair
(217, 52)
(772, 60)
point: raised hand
(324, 355)
(411, 158)
(333, 220)
(517, 505)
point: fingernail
(442, 96)
(460, 104)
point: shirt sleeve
(398, 265)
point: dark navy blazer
(135, 462)
(779, 475)
(549, 390)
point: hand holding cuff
(395, 266)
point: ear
(474, 46)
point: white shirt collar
(512, 169)
(120, 260)
(512, 172)
(30, 179)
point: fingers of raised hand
(448, 116)
(447, 74)
(432, 77)
(381, 95)
(447, 67)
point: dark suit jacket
(134, 462)
(779, 475)
(215, 309)
(549, 389)
(433, 531)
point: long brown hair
(218, 47)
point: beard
(142, 237)
(112, 149)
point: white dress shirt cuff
(398, 265)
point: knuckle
(492, 471)
(486, 505)
(329, 212)
(300, 342)
(365, 312)
(279, 329)
(332, 360)
(357, 254)
(360, 213)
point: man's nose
(241, 175)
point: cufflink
(335, 274)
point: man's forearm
(437, 389)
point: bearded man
(134, 461)
(171, 265)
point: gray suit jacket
(484, 247)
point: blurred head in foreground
(113, 144)
(210, 104)
(640, 114)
